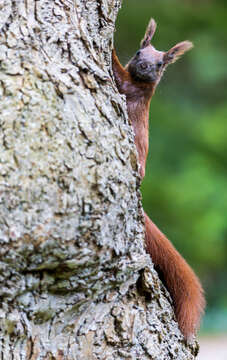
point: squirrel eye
(138, 52)
(143, 66)
(159, 64)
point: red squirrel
(138, 81)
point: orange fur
(183, 285)
(138, 81)
(138, 96)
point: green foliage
(185, 188)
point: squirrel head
(148, 64)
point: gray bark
(76, 282)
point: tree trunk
(76, 282)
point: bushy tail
(180, 280)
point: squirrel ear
(148, 34)
(175, 52)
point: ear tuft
(175, 52)
(148, 34)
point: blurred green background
(185, 188)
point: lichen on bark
(71, 226)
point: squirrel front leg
(137, 108)
(120, 74)
(138, 81)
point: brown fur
(183, 285)
(138, 81)
(138, 96)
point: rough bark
(76, 282)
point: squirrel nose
(152, 67)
